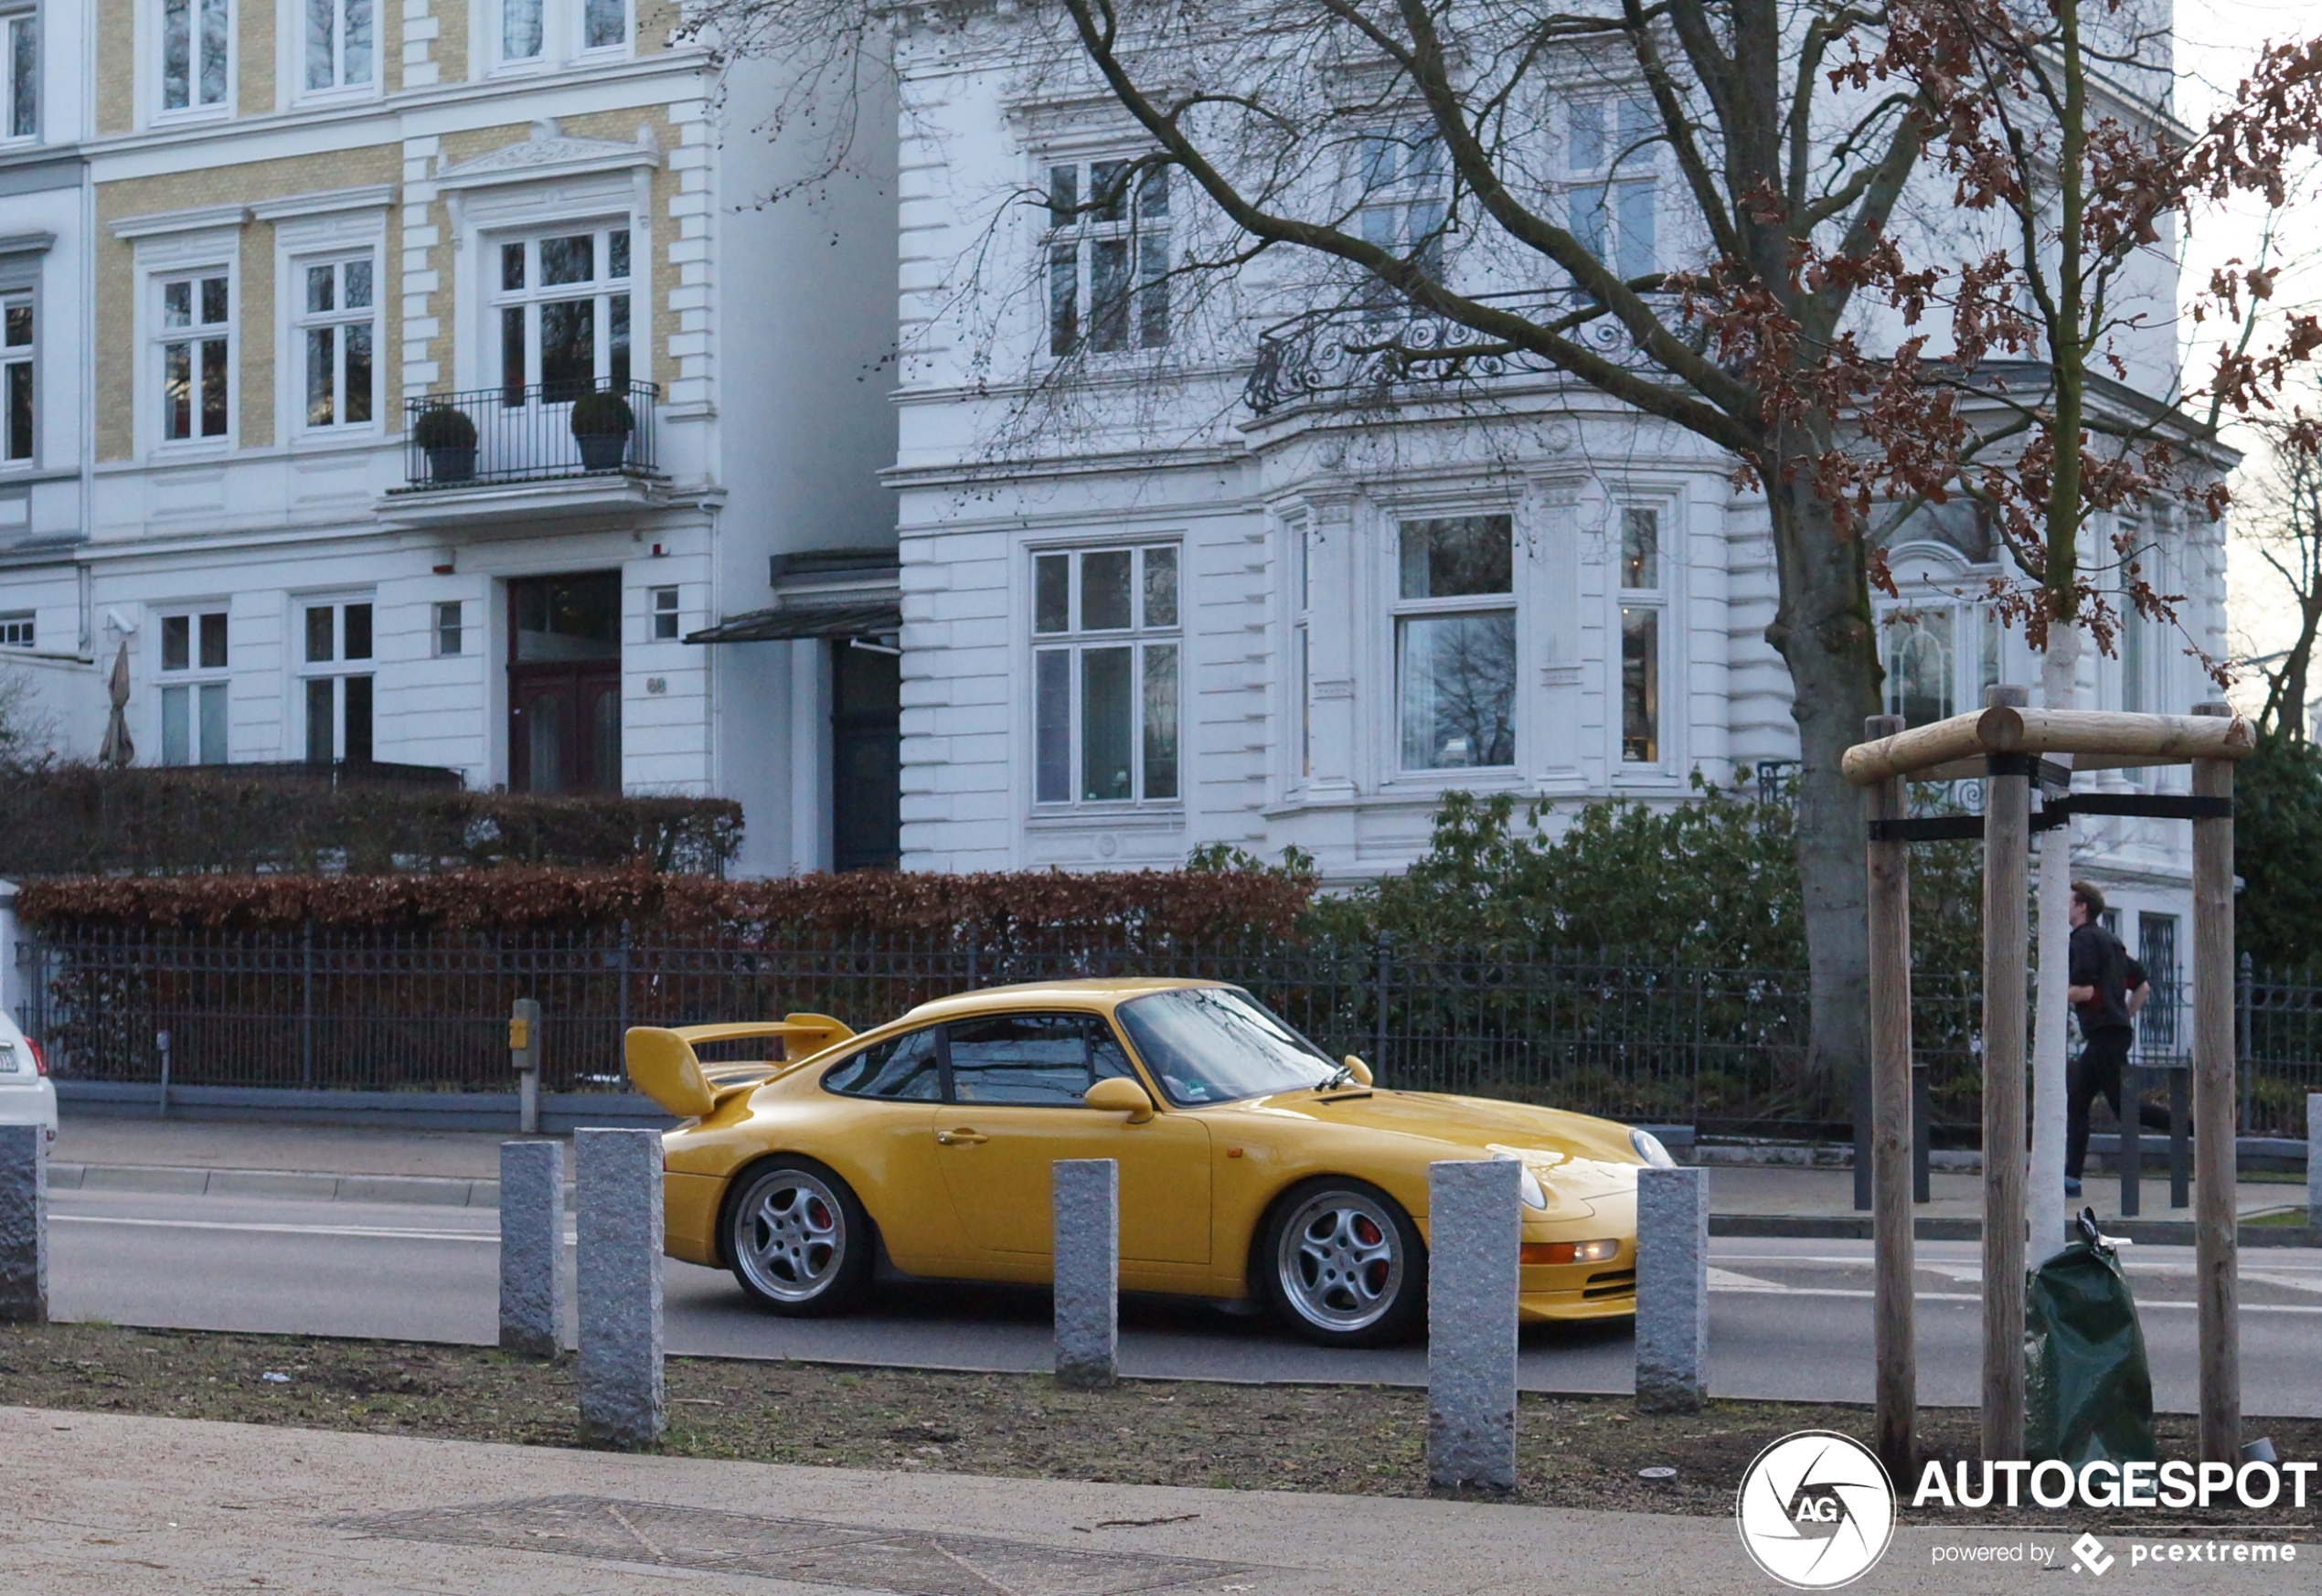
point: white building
(248, 244)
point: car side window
(1031, 1058)
(905, 1068)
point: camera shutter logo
(1815, 1510)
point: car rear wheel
(798, 1240)
(1343, 1265)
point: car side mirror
(1120, 1095)
(1357, 1069)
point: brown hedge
(1126, 910)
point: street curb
(1857, 1227)
(179, 1180)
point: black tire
(797, 1238)
(1342, 1265)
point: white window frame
(196, 680)
(664, 604)
(160, 335)
(14, 358)
(195, 109)
(1073, 643)
(1604, 184)
(295, 61)
(1935, 579)
(20, 124)
(20, 629)
(564, 35)
(1658, 598)
(447, 622)
(1299, 540)
(337, 669)
(1398, 189)
(1395, 610)
(1150, 240)
(497, 299)
(304, 321)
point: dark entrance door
(866, 758)
(564, 684)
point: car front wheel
(1343, 1265)
(799, 1241)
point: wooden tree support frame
(2004, 745)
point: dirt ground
(1366, 1440)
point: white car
(27, 1095)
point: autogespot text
(2104, 1484)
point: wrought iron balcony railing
(534, 433)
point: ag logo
(1815, 1510)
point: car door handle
(963, 1137)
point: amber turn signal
(1539, 1252)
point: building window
(334, 334)
(18, 630)
(1921, 647)
(520, 30)
(1644, 598)
(1454, 655)
(24, 75)
(1300, 646)
(1401, 183)
(197, 337)
(336, 672)
(1105, 675)
(450, 629)
(17, 354)
(563, 304)
(2157, 951)
(193, 692)
(665, 614)
(194, 37)
(1108, 257)
(1612, 192)
(604, 24)
(339, 48)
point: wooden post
(1891, 1118)
(2006, 844)
(2214, 1240)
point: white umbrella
(118, 749)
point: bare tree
(2285, 532)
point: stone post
(1672, 1290)
(1087, 1194)
(24, 1224)
(1474, 1214)
(2313, 1159)
(531, 1246)
(619, 1271)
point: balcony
(512, 455)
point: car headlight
(1534, 1197)
(1648, 1147)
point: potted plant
(601, 423)
(448, 436)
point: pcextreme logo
(2090, 1554)
(1815, 1510)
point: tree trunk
(1824, 633)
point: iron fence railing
(1724, 1050)
(529, 433)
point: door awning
(862, 619)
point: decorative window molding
(323, 342)
(192, 257)
(379, 197)
(196, 218)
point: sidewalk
(110, 1505)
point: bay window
(1105, 666)
(1455, 643)
(1644, 600)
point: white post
(1087, 1197)
(10, 998)
(2313, 1159)
(619, 1277)
(531, 1246)
(2058, 689)
(24, 1224)
(1672, 1290)
(1474, 1209)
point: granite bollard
(24, 1224)
(1672, 1290)
(531, 1246)
(2313, 1158)
(619, 1281)
(1087, 1196)
(1475, 1217)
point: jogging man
(2108, 989)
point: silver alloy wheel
(1341, 1261)
(790, 1235)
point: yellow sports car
(1252, 1166)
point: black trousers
(2098, 1070)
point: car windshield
(1212, 1044)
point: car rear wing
(665, 1067)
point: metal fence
(1721, 1050)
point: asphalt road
(1788, 1319)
